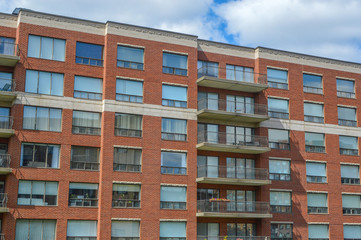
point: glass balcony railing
(9, 49)
(7, 85)
(232, 172)
(233, 207)
(232, 139)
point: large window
(174, 129)
(81, 230)
(317, 203)
(46, 48)
(348, 145)
(347, 116)
(207, 166)
(173, 230)
(125, 230)
(208, 100)
(345, 88)
(41, 118)
(317, 231)
(129, 91)
(237, 73)
(240, 231)
(278, 108)
(31, 229)
(39, 155)
(240, 135)
(130, 57)
(89, 54)
(241, 168)
(173, 197)
(175, 64)
(350, 174)
(313, 112)
(279, 139)
(7, 46)
(6, 121)
(174, 96)
(312, 83)
(6, 82)
(83, 194)
(174, 163)
(127, 159)
(281, 231)
(240, 104)
(86, 123)
(44, 82)
(351, 232)
(208, 133)
(208, 231)
(277, 78)
(351, 204)
(128, 125)
(207, 69)
(240, 201)
(315, 142)
(84, 158)
(281, 202)
(38, 193)
(88, 88)
(126, 195)
(316, 172)
(279, 170)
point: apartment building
(114, 131)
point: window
(240, 104)
(29, 229)
(37, 193)
(313, 112)
(315, 142)
(345, 88)
(174, 163)
(347, 116)
(128, 125)
(46, 48)
(281, 231)
(129, 91)
(206, 194)
(240, 201)
(241, 231)
(281, 202)
(127, 159)
(83, 194)
(316, 172)
(237, 73)
(40, 155)
(84, 158)
(174, 129)
(240, 136)
(208, 133)
(348, 145)
(279, 170)
(126, 195)
(350, 174)
(174, 96)
(351, 204)
(8, 46)
(44, 82)
(173, 230)
(317, 231)
(278, 108)
(6, 81)
(317, 203)
(173, 197)
(207, 166)
(279, 139)
(208, 231)
(86, 123)
(208, 101)
(88, 88)
(312, 83)
(242, 168)
(125, 230)
(130, 57)
(40, 118)
(351, 232)
(6, 121)
(277, 78)
(207, 69)
(175, 64)
(89, 54)
(81, 230)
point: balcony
(3, 203)
(232, 209)
(173, 205)
(83, 202)
(126, 203)
(317, 210)
(5, 164)
(281, 208)
(351, 181)
(84, 165)
(315, 149)
(247, 82)
(230, 142)
(232, 175)
(9, 54)
(232, 238)
(6, 124)
(316, 179)
(347, 123)
(347, 151)
(352, 211)
(7, 94)
(224, 111)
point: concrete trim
(8, 20)
(126, 219)
(345, 78)
(316, 161)
(278, 97)
(225, 49)
(131, 147)
(347, 106)
(312, 73)
(351, 193)
(278, 68)
(170, 51)
(130, 78)
(347, 163)
(352, 224)
(173, 185)
(318, 223)
(129, 45)
(173, 150)
(313, 191)
(125, 182)
(279, 158)
(175, 84)
(282, 222)
(315, 102)
(280, 190)
(173, 220)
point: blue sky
(327, 28)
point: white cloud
(329, 28)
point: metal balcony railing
(89, 61)
(173, 170)
(9, 49)
(345, 94)
(316, 179)
(128, 98)
(274, 83)
(232, 106)
(280, 176)
(5, 160)
(125, 132)
(174, 136)
(122, 167)
(346, 151)
(173, 205)
(315, 119)
(233, 207)
(174, 103)
(309, 89)
(317, 209)
(2, 236)
(351, 211)
(7, 85)
(232, 238)
(125, 238)
(87, 95)
(126, 203)
(84, 202)
(129, 64)
(232, 139)
(175, 71)
(3, 200)
(281, 208)
(282, 115)
(348, 123)
(83, 165)
(6, 122)
(279, 145)
(86, 130)
(355, 181)
(315, 149)
(214, 171)
(81, 238)
(234, 75)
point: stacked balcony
(9, 53)
(3, 203)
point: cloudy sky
(328, 28)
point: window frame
(96, 131)
(123, 97)
(92, 166)
(128, 167)
(36, 119)
(99, 61)
(181, 71)
(31, 194)
(28, 71)
(311, 89)
(33, 157)
(52, 50)
(128, 132)
(138, 65)
(174, 136)
(275, 84)
(174, 170)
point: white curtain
(317, 200)
(42, 118)
(80, 228)
(280, 198)
(174, 159)
(127, 156)
(316, 169)
(88, 84)
(352, 231)
(29, 117)
(346, 113)
(351, 201)
(125, 228)
(279, 166)
(312, 109)
(86, 119)
(318, 231)
(350, 171)
(84, 186)
(126, 188)
(173, 229)
(174, 126)
(44, 83)
(128, 121)
(173, 194)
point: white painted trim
(173, 150)
(130, 45)
(278, 68)
(345, 78)
(312, 73)
(315, 102)
(318, 223)
(352, 224)
(173, 220)
(173, 185)
(130, 147)
(317, 161)
(347, 106)
(312, 191)
(351, 193)
(126, 219)
(125, 182)
(130, 78)
(279, 158)
(278, 97)
(175, 84)
(347, 163)
(280, 190)
(170, 51)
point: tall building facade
(114, 131)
